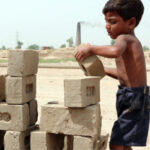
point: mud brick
(14, 117)
(15, 140)
(82, 91)
(81, 142)
(41, 140)
(71, 121)
(2, 87)
(22, 62)
(20, 90)
(33, 111)
(92, 66)
(88, 143)
(84, 143)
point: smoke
(91, 24)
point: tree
(63, 46)
(34, 47)
(112, 42)
(19, 45)
(146, 48)
(70, 42)
(3, 47)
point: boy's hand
(83, 52)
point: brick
(2, 87)
(14, 117)
(49, 141)
(82, 91)
(41, 140)
(33, 111)
(22, 62)
(88, 143)
(71, 121)
(20, 90)
(81, 142)
(92, 66)
(15, 140)
(84, 143)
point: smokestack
(78, 34)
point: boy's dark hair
(125, 8)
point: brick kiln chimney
(78, 34)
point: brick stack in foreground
(74, 124)
(18, 107)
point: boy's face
(115, 24)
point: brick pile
(74, 124)
(18, 107)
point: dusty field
(50, 88)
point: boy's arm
(109, 51)
(111, 72)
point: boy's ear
(132, 23)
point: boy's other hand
(83, 51)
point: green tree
(19, 45)
(3, 47)
(146, 48)
(34, 47)
(52, 47)
(112, 42)
(63, 46)
(70, 42)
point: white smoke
(91, 24)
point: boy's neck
(132, 33)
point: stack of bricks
(74, 124)
(18, 107)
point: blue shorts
(131, 128)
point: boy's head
(122, 16)
(126, 9)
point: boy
(131, 128)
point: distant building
(46, 47)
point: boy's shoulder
(126, 37)
(129, 38)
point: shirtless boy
(122, 17)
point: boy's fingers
(80, 57)
(77, 55)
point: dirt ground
(50, 88)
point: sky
(52, 22)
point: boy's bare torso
(131, 67)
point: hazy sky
(52, 22)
